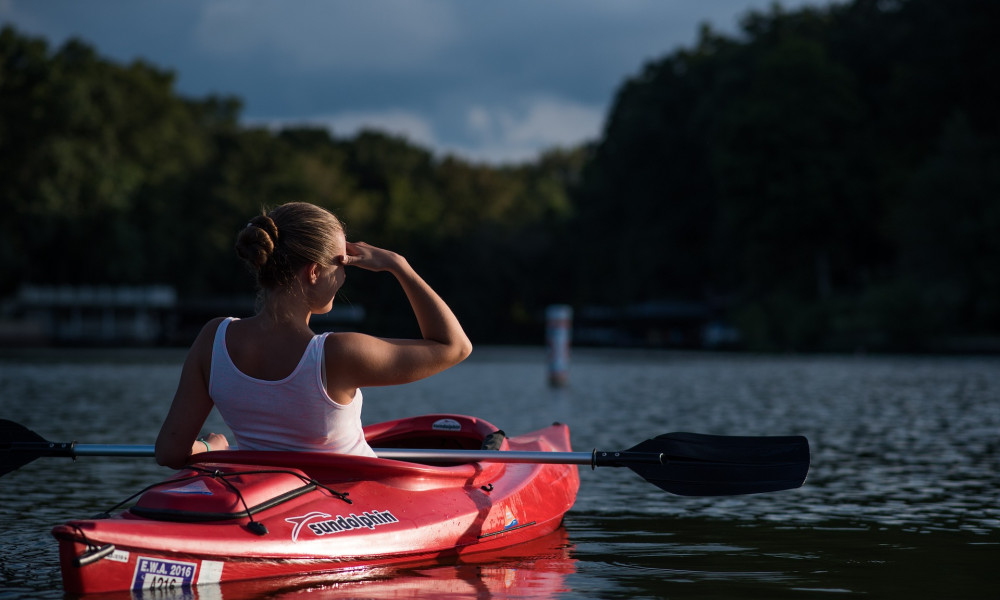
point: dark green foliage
(827, 179)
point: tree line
(830, 178)
(825, 179)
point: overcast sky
(494, 81)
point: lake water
(902, 501)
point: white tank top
(294, 413)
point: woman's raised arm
(362, 360)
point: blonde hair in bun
(278, 242)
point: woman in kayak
(278, 385)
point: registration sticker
(210, 571)
(160, 574)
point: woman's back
(293, 412)
(265, 353)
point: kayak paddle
(687, 464)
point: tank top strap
(317, 353)
(220, 334)
(220, 355)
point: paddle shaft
(688, 464)
(594, 459)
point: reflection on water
(537, 569)
(901, 500)
(709, 558)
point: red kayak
(241, 515)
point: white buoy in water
(558, 327)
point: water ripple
(905, 470)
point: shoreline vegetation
(826, 180)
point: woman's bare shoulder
(208, 329)
(346, 343)
(202, 345)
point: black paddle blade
(13, 438)
(696, 464)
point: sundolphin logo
(299, 522)
(369, 520)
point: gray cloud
(493, 81)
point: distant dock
(100, 315)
